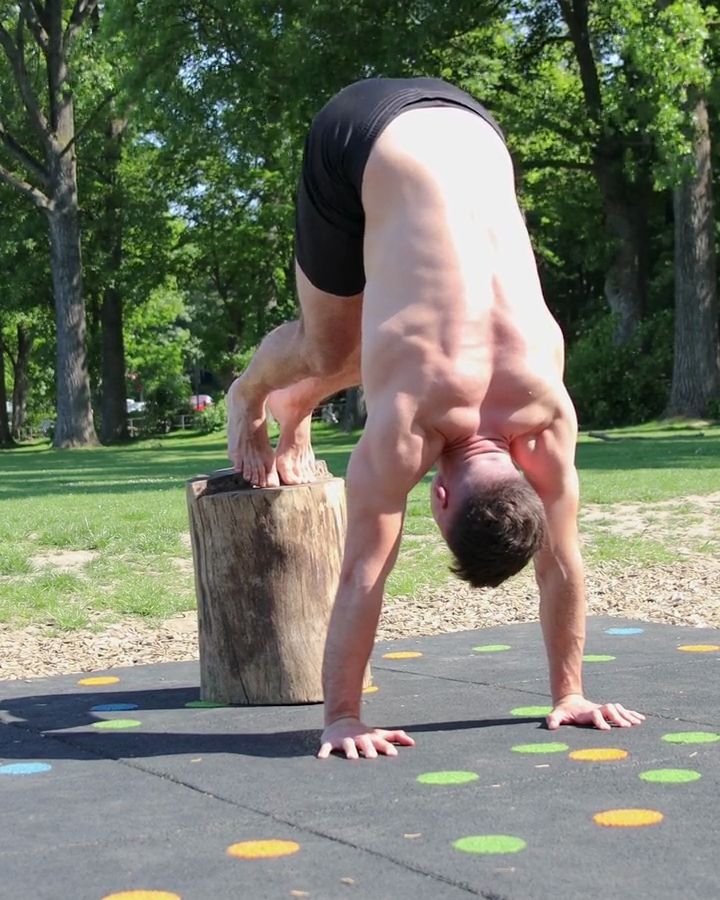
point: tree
(38, 139)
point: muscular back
(457, 339)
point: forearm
(350, 640)
(562, 616)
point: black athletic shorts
(329, 218)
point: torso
(457, 338)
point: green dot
(447, 777)
(490, 843)
(540, 748)
(670, 776)
(531, 711)
(107, 724)
(598, 657)
(691, 737)
(203, 704)
(491, 648)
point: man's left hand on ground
(576, 710)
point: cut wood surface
(267, 563)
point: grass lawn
(93, 535)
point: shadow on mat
(50, 715)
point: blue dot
(113, 707)
(24, 768)
(624, 630)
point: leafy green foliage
(620, 384)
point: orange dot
(262, 849)
(142, 895)
(628, 818)
(598, 754)
(402, 654)
(700, 648)
(99, 679)
(371, 689)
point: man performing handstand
(409, 234)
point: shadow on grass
(166, 464)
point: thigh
(331, 323)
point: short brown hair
(496, 532)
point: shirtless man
(409, 233)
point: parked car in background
(198, 402)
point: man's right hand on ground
(350, 736)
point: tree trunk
(267, 564)
(21, 383)
(114, 407)
(6, 439)
(74, 426)
(625, 209)
(696, 365)
(354, 411)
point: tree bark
(6, 439)
(696, 364)
(623, 204)
(267, 564)
(114, 407)
(354, 411)
(21, 382)
(55, 192)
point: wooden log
(267, 563)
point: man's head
(493, 524)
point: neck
(471, 454)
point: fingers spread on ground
(368, 748)
(324, 751)
(350, 749)
(599, 720)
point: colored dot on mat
(262, 849)
(24, 768)
(598, 657)
(371, 689)
(447, 777)
(628, 818)
(402, 654)
(531, 711)
(491, 648)
(203, 704)
(490, 843)
(598, 754)
(691, 737)
(700, 648)
(111, 724)
(113, 707)
(624, 630)
(540, 748)
(142, 895)
(97, 680)
(670, 776)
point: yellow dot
(628, 818)
(598, 754)
(262, 849)
(700, 648)
(142, 895)
(371, 689)
(99, 679)
(402, 654)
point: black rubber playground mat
(122, 785)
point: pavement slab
(117, 784)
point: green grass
(126, 508)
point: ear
(441, 494)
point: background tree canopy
(149, 151)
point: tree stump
(267, 563)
